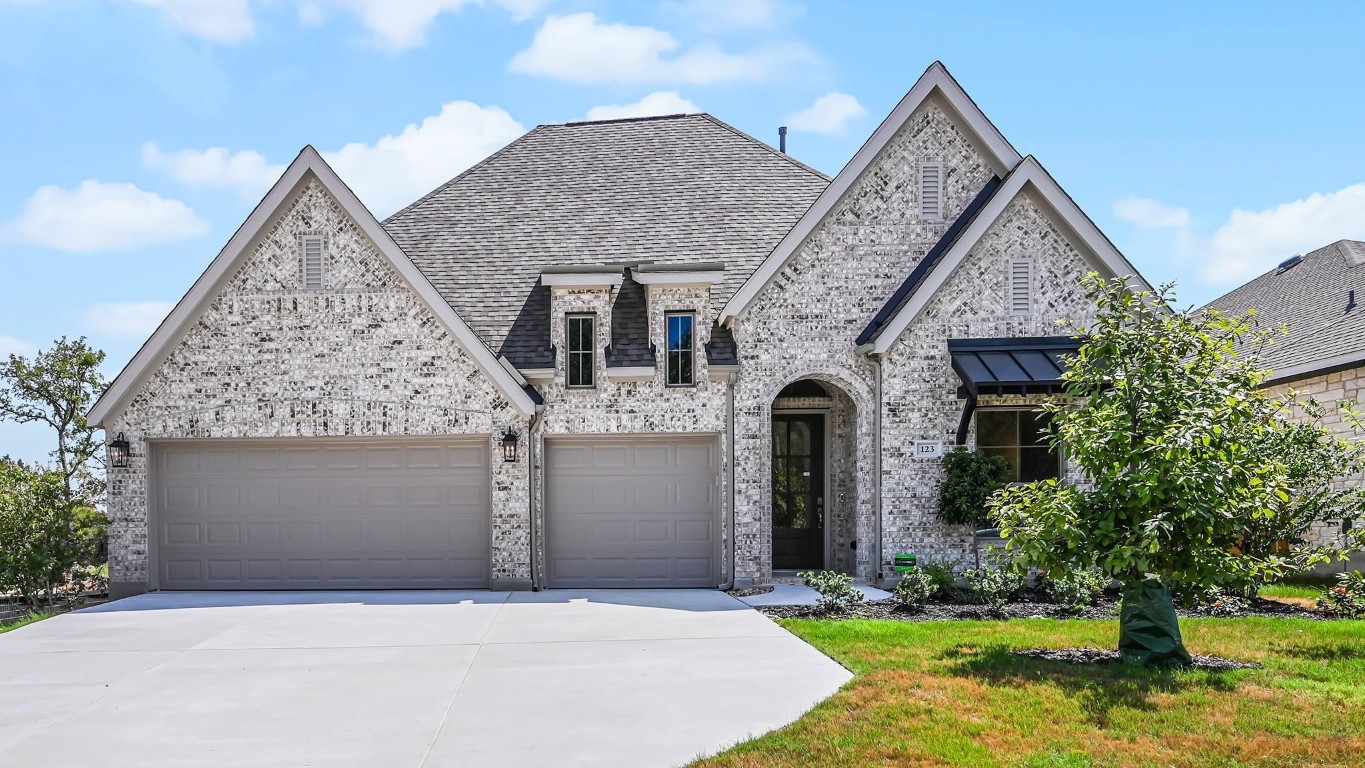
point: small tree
(969, 479)
(56, 388)
(40, 540)
(1190, 464)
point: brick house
(650, 353)
(1314, 297)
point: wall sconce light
(118, 451)
(509, 445)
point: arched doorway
(813, 478)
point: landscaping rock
(1032, 608)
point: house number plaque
(928, 449)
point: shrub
(1077, 590)
(942, 576)
(1347, 599)
(40, 541)
(1216, 601)
(995, 587)
(915, 588)
(837, 592)
(969, 478)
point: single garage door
(301, 514)
(633, 512)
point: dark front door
(798, 491)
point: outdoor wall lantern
(118, 451)
(509, 445)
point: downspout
(532, 440)
(730, 478)
(876, 361)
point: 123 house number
(928, 449)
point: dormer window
(312, 262)
(581, 360)
(681, 350)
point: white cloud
(12, 346)
(730, 14)
(580, 49)
(97, 216)
(829, 114)
(657, 103)
(1151, 214)
(247, 171)
(395, 170)
(1251, 242)
(402, 24)
(222, 21)
(130, 318)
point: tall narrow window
(1020, 436)
(680, 349)
(312, 262)
(931, 191)
(579, 329)
(1021, 287)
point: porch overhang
(1031, 365)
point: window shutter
(1021, 287)
(931, 191)
(312, 263)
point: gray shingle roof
(1311, 299)
(678, 189)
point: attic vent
(1288, 264)
(931, 191)
(1021, 287)
(312, 262)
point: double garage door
(391, 513)
(632, 512)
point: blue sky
(1208, 142)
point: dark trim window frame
(1018, 434)
(580, 344)
(680, 349)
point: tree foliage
(40, 538)
(1196, 475)
(56, 388)
(969, 479)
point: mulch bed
(1098, 656)
(748, 591)
(1030, 608)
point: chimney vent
(1350, 300)
(782, 139)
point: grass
(953, 694)
(32, 618)
(1308, 590)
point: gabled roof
(682, 189)
(935, 82)
(1028, 177)
(1313, 299)
(308, 165)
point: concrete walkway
(392, 679)
(800, 594)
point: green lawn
(1306, 590)
(952, 694)
(32, 618)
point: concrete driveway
(392, 679)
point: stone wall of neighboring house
(919, 386)
(804, 324)
(616, 407)
(363, 357)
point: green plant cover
(1149, 633)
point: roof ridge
(765, 145)
(640, 119)
(445, 185)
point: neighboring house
(1314, 296)
(651, 353)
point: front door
(798, 491)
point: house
(1313, 297)
(633, 353)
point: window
(312, 262)
(1021, 437)
(579, 329)
(1021, 288)
(680, 352)
(931, 191)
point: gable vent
(312, 263)
(931, 191)
(1021, 287)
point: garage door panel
(632, 512)
(360, 515)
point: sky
(1209, 141)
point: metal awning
(1020, 366)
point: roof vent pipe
(1350, 300)
(782, 139)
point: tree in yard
(37, 545)
(1196, 477)
(56, 388)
